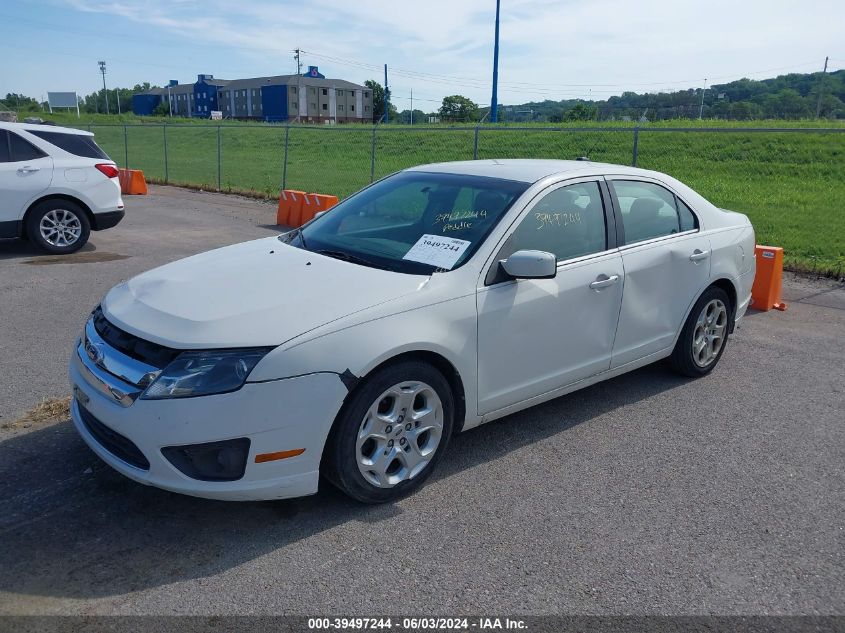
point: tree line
(792, 96)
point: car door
(536, 335)
(25, 171)
(667, 264)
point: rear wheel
(392, 433)
(705, 334)
(58, 226)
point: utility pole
(117, 95)
(298, 75)
(494, 101)
(701, 107)
(386, 97)
(821, 87)
(102, 66)
(412, 106)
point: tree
(581, 112)
(405, 117)
(162, 109)
(21, 103)
(378, 101)
(458, 108)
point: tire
(376, 451)
(58, 226)
(705, 335)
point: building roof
(256, 82)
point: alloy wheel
(60, 227)
(709, 334)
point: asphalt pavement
(646, 494)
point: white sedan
(433, 301)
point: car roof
(529, 170)
(40, 127)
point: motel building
(310, 97)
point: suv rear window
(76, 144)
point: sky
(549, 49)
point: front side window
(650, 211)
(568, 222)
(76, 144)
(22, 150)
(4, 147)
(380, 225)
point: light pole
(102, 65)
(701, 107)
(494, 102)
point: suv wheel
(58, 226)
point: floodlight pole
(821, 87)
(494, 101)
(701, 107)
(386, 98)
(102, 66)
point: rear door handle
(602, 281)
(699, 255)
(28, 169)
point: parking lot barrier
(132, 182)
(290, 207)
(768, 280)
(315, 203)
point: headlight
(204, 373)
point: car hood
(257, 293)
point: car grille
(150, 353)
(119, 446)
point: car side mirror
(530, 265)
(319, 213)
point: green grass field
(791, 184)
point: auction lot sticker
(437, 250)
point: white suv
(56, 186)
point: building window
(340, 93)
(351, 93)
(366, 95)
(293, 105)
(325, 92)
(293, 90)
(325, 106)
(340, 108)
(352, 108)
(313, 105)
(366, 108)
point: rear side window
(650, 211)
(22, 150)
(4, 147)
(76, 144)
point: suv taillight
(110, 171)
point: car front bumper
(276, 416)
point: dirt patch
(47, 411)
(92, 257)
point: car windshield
(412, 222)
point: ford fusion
(433, 301)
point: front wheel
(705, 334)
(392, 433)
(58, 226)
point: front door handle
(603, 281)
(698, 255)
(26, 169)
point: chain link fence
(788, 180)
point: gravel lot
(645, 494)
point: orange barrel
(768, 280)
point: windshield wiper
(353, 259)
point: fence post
(89, 127)
(373, 157)
(475, 145)
(636, 143)
(285, 168)
(125, 147)
(218, 159)
(166, 178)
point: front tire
(705, 334)
(58, 226)
(392, 433)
